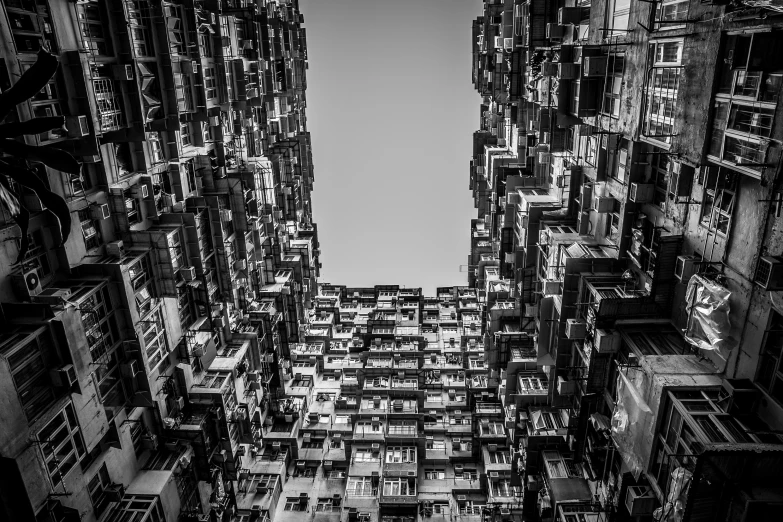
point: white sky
(391, 110)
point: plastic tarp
(630, 420)
(708, 314)
(674, 509)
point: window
(184, 132)
(96, 488)
(663, 83)
(591, 150)
(137, 507)
(342, 419)
(366, 455)
(305, 471)
(90, 230)
(661, 166)
(556, 466)
(139, 16)
(397, 454)
(500, 488)
(205, 43)
(434, 474)
(613, 85)
(612, 232)
(619, 13)
(328, 504)
(176, 32)
(493, 428)
(436, 397)
(436, 444)
(692, 418)
(718, 200)
(770, 370)
(295, 504)
(499, 457)
(471, 508)
(360, 487)
(370, 404)
(670, 14)
(61, 444)
(30, 374)
(745, 103)
(399, 487)
(405, 427)
(108, 99)
(95, 29)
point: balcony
(378, 383)
(532, 387)
(403, 406)
(405, 384)
(399, 491)
(402, 429)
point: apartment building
(144, 356)
(625, 174)
(614, 354)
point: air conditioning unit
(568, 71)
(565, 387)
(199, 350)
(140, 191)
(149, 442)
(575, 329)
(594, 66)
(123, 72)
(583, 222)
(214, 121)
(115, 248)
(607, 341)
(188, 273)
(130, 369)
(641, 192)
(685, 267)
(603, 204)
(114, 492)
(181, 403)
(492, 448)
(375, 447)
(494, 474)
(640, 501)
(64, 377)
(549, 69)
(550, 287)
(508, 44)
(569, 15)
(54, 296)
(556, 32)
(769, 273)
(498, 42)
(225, 214)
(27, 284)
(78, 126)
(100, 211)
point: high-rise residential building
(626, 176)
(615, 352)
(144, 357)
